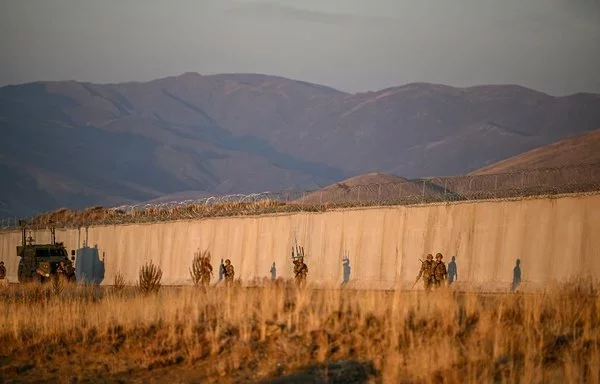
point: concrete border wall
(555, 238)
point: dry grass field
(275, 334)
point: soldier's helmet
(227, 261)
(439, 256)
(429, 256)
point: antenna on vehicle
(52, 233)
(22, 224)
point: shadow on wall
(273, 272)
(516, 276)
(452, 271)
(88, 266)
(347, 270)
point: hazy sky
(549, 45)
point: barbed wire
(533, 182)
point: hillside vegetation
(583, 149)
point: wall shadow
(516, 276)
(347, 270)
(452, 271)
(273, 271)
(89, 268)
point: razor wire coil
(537, 182)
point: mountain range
(75, 144)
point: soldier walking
(426, 272)
(300, 271)
(229, 273)
(61, 269)
(439, 271)
(2, 274)
(206, 271)
(221, 270)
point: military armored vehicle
(40, 262)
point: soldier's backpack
(427, 270)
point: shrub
(58, 285)
(119, 282)
(197, 271)
(150, 276)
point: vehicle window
(43, 252)
(57, 252)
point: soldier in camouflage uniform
(206, 271)
(426, 272)
(300, 271)
(61, 269)
(229, 273)
(439, 271)
(2, 274)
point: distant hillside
(370, 187)
(577, 150)
(73, 144)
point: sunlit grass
(259, 332)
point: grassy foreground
(275, 334)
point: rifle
(416, 281)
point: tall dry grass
(243, 335)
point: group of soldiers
(64, 270)
(434, 273)
(226, 270)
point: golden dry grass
(248, 335)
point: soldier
(300, 271)
(70, 272)
(426, 272)
(439, 271)
(229, 273)
(61, 270)
(2, 273)
(221, 270)
(206, 271)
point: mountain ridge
(76, 144)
